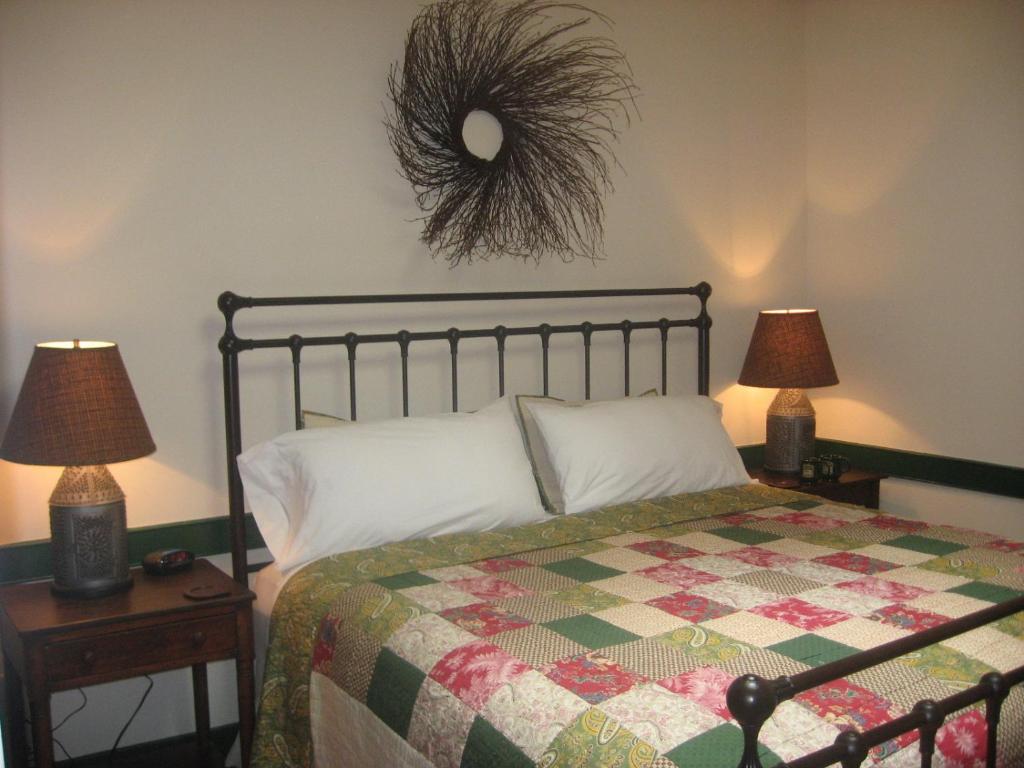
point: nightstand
(54, 643)
(855, 486)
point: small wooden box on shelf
(55, 643)
(855, 486)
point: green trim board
(31, 559)
(752, 455)
(966, 474)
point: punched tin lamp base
(88, 534)
(789, 433)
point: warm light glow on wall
(743, 411)
(746, 235)
(858, 422)
(66, 234)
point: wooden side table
(855, 486)
(54, 643)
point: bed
(694, 620)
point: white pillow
(638, 448)
(543, 470)
(318, 492)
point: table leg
(246, 685)
(42, 736)
(15, 744)
(200, 695)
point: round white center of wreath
(482, 134)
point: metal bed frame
(751, 699)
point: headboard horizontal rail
(477, 333)
(234, 301)
(231, 345)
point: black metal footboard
(753, 699)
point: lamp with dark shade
(788, 350)
(77, 409)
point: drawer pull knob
(198, 639)
(88, 658)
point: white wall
(153, 154)
(915, 226)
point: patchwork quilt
(609, 639)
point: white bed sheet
(267, 585)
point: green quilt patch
(802, 505)
(744, 535)
(405, 580)
(813, 650)
(393, 691)
(591, 631)
(582, 569)
(708, 749)
(925, 545)
(486, 747)
(981, 590)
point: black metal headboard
(231, 345)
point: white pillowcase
(543, 470)
(318, 492)
(616, 451)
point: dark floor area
(178, 752)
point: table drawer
(165, 645)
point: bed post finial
(751, 700)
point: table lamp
(77, 409)
(788, 350)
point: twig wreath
(557, 97)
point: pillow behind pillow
(318, 492)
(638, 448)
(316, 420)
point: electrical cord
(68, 716)
(117, 741)
(72, 713)
(54, 729)
(79, 708)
